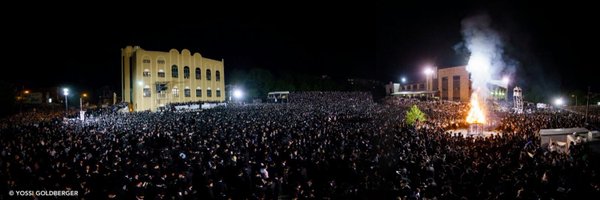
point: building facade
(153, 79)
(451, 83)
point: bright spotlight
(505, 80)
(558, 102)
(403, 80)
(428, 70)
(65, 91)
(238, 94)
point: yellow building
(152, 79)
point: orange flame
(476, 114)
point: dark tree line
(257, 82)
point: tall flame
(476, 114)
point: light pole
(428, 72)
(66, 93)
(574, 96)
(238, 94)
(81, 101)
(558, 102)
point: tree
(414, 115)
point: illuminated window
(175, 92)
(146, 73)
(146, 91)
(161, 73)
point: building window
(218, 93)
(161, 62)
(218, 75)
(208, 93)
(146, 73)
(146, 91)
(198, 75)
(208, 74)
(146, 61)
(186, 72)
(187, 92)
(175, 92)
(445, 88)
(198, 92)
(161, 73)
(456, 88)
(174, 71)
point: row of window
(186, 73)
(186, 92)
(158, 61)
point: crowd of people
(326, 145)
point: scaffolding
(518, 100)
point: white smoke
(485, 44)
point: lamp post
(238, 94)
(558, 102)
(66, 93)
(81, 101)
(428, 72)
(574, 96)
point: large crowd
(325, 145)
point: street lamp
(66, 93)
(428, 72)
(238, 94)
(574, 96)
(403, 79)
(558, 102)
(81, 100)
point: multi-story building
(152, 79)
(448, 83)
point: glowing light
(65, 91)
(238, 94)
(140, 83)
(505, 80)
(558, 102)
(428, 70)
(403, 80)
(476, 114)
(84, 94)
(26, 91)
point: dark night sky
(555, 44)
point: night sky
(555, 45)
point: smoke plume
(486, 62)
